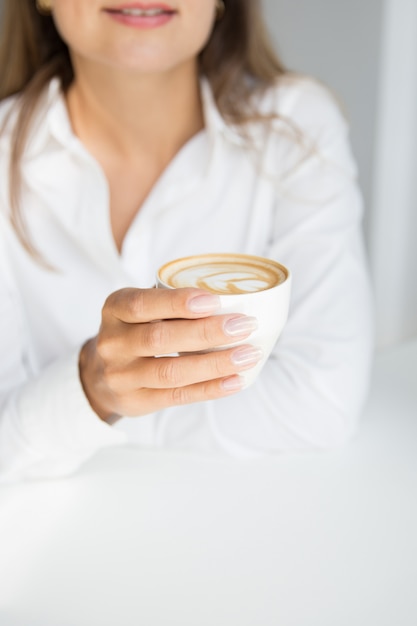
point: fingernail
(247, 355)
(204, 304)
(233, 384)
(238, 326)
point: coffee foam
(223, 274)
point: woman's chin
(148, 64)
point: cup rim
(222, 255)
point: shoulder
(8, 112)
(306, 141)
(39, 116)
(307, 105)
(6, 105)
(8, 115)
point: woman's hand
(118, 369)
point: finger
(173, 372)
(135, 306)
(173, 336)
(158, 399)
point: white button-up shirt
(293, 196)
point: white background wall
(393, 250)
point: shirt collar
(216, 124)
(52, 120)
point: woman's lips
(140, 15)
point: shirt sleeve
(47, 427)
(311, 392)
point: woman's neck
(127, 113)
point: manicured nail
(238, 326)
(204, 304)
(246, 356)
(235, 383)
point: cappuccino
(223, 274)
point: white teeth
(142, 12)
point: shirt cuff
(50, 425)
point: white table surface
(165, 539)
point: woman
(135, 133)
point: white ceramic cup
(246, 284)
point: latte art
(248, 285)
(224, 274)
(224, 278)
